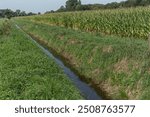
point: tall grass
(5, 28)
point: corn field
(131, 22)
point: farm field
(117, 66)
(26, 72)
(128, 22)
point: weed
(5, 29)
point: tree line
(75, 5)
(7, 13)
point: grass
(120, 67)
(27, 73)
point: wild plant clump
(5, 29)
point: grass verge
(27, 73)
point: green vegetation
(72, 5)
(5, 28)
(132, 22)
(118, 66)
(75, 5)
(27, 73)
(8, 13)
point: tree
(18, 12)
(30, 13)
(138, 2)
(61, 9)
(8, 13)
(130, 3)
(39, 13)
(23, 13)
(79, 5)
(72, 4)
(143, 3)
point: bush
(5, 28)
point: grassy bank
(27, 73)
(119, 67)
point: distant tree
(52, 11)
(61, 9)
(2, 14)
(143, 3)
(131, 3)
(47, 12)
(72, 4)
(8, 13)
(79, 5)
(79, 2)
(30, 13)
(121, 4)
(23, 13)
(138, 2)
(112, 5)
(18, 12)
(39, 13)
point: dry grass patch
(60, 37)
(72, 41)
(71, 59)
(93, 52)
(90, 60)
(135, 65)
(122, 66)
(110, 89)
(96, 72)
(107, 49)
(134, 94)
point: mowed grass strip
(118, 66)
(27, 73)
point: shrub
(5, 28)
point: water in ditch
(88, 92)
